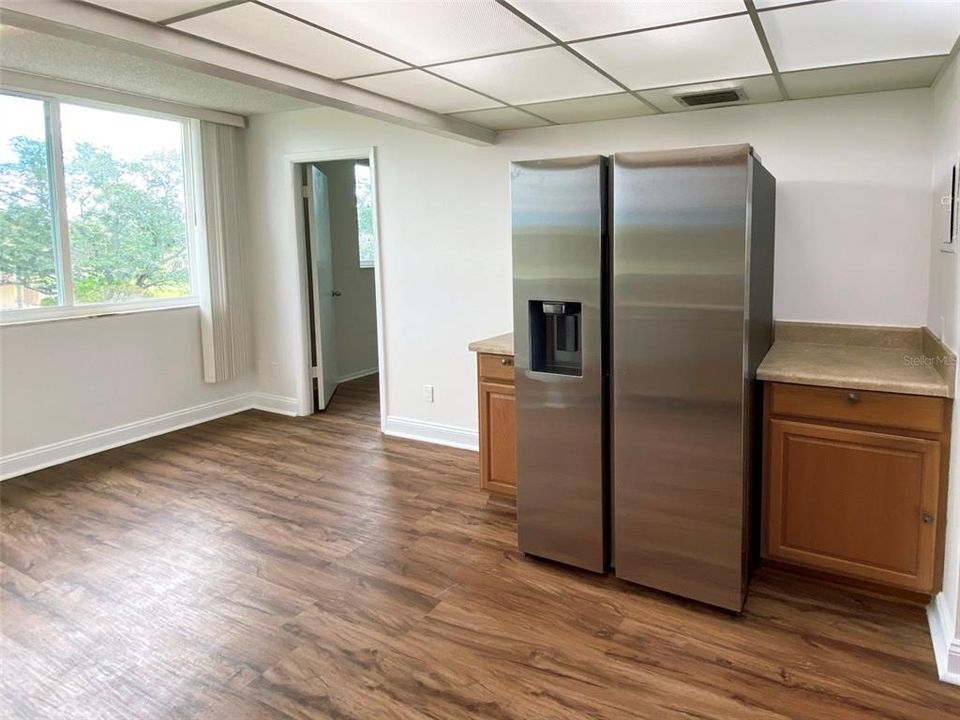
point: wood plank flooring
(267, 567)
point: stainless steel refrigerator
(642, 306)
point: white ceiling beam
(103, 28)
(44, 85)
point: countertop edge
(496, 345)
(927, 390)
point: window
(28, 241)
(364, 193)
(93, 209)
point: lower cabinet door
(852, 502)
(498, 439)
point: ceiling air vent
(712, 97)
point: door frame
(303, 364)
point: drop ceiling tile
(598, 107)
(502, 119)
(156, 9)
(709, 50)
(759, 89)
(269, 34)
(843, 32)
(422, 32)
(424, 90)
(872, 77)
(572, 19)
(528, 77)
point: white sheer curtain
(227, 352)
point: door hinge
(305, 191)
(314, 372)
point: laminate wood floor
(267, 567)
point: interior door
(321, 252)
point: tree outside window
(365, 235)
(124, 232)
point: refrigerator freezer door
(559, 218)
(679, 271)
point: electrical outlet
(428, 393)
(274, 369)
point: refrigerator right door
(679, 284)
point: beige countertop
(888, 360)
(497, 345)
(899, 360)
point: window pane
(125, 205)
(28, 260)
(364, 192)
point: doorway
(337, 233)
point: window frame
(66, 307)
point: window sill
(34, 316)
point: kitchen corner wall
(943, 317)
(853, 226)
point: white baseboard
(946, 646)
(275, 403)
(60, 452)
(432, 433)
(359, 374)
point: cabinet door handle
(927, 518)
(506, 361)
(853, 397)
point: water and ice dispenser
(555, 343)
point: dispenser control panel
(555, 333)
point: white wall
(356, 308)
(853, 190)
(66, 379)
(853, 225)
(943, 316)
(445, 256)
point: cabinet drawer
(496, 367)
(910, 412)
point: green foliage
(364, 193)
(26, 231)
(127, 229)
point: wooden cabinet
(854, 484)
(498, 425)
